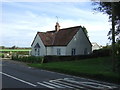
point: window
(58, 51)
(73, 52)
(35, 51)
(38, 51)
(85, 51)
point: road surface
(18, 75)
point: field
(7, 53)
(97, 68)
(14, 50)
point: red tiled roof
(58, 38)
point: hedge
(29, 59)
(95, 54)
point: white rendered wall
(53, 50)
(79, 42)
(42, 47)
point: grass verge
(97, 68)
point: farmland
(13, 50)
(8, 52)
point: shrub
(3, 56)
(29, 59)
(66, 58)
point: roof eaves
(34, 39)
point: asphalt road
(18, 75)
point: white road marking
(69, 84)
(18, 79)
(80, 83)
(53, 85)
(61, 84)
(72, 83)
(56, 79)
(100, 85)
(45, 85)
(90, 84)
(90, 80)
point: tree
(85, 30)
(13, 47)
(2, 47)
(118, 47)
(112, 9)
(107, 8)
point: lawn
(97, 68)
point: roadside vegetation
(7, 52)
(1, 55)
(28, 59)
(96, 68)
(16, 50)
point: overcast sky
(22, 20)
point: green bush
(2, 55)
(29, 59)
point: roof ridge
(53, 31)
(71, 27)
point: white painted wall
(42, 47)
(95, 46)
(79, 42)
(53, 50)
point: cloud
(45, 0)
(19, 27)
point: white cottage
(67, 41)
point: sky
(20, 21)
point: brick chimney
(57, 27)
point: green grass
(12, 50)
(97, 68)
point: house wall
(42, 51)
(95, 46)
(79, 43)
(53, 50)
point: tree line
(14, 47)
